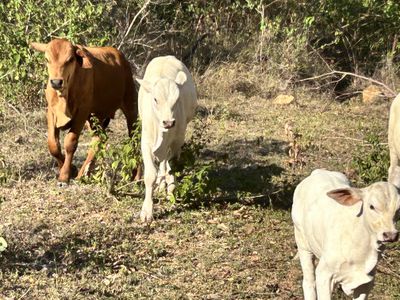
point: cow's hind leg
(170, 179)
(89, 164)
(394, 169)
(161, 184)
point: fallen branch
(344, 74)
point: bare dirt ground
(82, 243)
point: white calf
(345, 228)
(167, 102)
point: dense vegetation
(227, 233)
(290, 39)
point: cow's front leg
(53, 140)
(150, 175)
(70, 145)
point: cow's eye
(70, 60)
(155, 100)
(372, 207)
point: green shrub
(116, 163)
(371, 161)
(21, 70)
(191, 173)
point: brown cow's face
(61, 58)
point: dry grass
(81, 243)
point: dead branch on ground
(344, 74)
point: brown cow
(82, 82)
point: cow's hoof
(146, 216)
(62, 184)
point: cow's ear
(346, 196)
(38, 46)
(83, 58)
(181, 78)
(145, 84)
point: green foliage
(371, 161)
(21, 71)
(116, 164)
(191, 173)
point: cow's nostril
(168, 124)
(56, 83)
(391, 236)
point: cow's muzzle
(56, 84)
(391, 236)
(168, 124)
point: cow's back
(315, 214)
(394, 127)
(112, 80)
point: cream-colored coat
(167, 102)
(346, 235)
(394, 142)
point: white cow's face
(380, 210)
(164, 94)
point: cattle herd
(345, 228)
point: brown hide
(84, 81)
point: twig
(133, 21)
(344, 74)
(24, 294)
(388, 272)
(58, 28)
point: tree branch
(344, 74)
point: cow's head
(62, 60)
(380, 209)
(164, 94)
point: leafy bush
(116, 164)
(371, 165)
(21, 71)
(192, 174)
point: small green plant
(192, 175)
(115, 164)
(371, 161)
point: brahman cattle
(345, 228)
(84, 81)
(167, 102)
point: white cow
(394, 142)
(167, 102)
(345, 228)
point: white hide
(167, 95)
(394, 142)
(347, 239)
